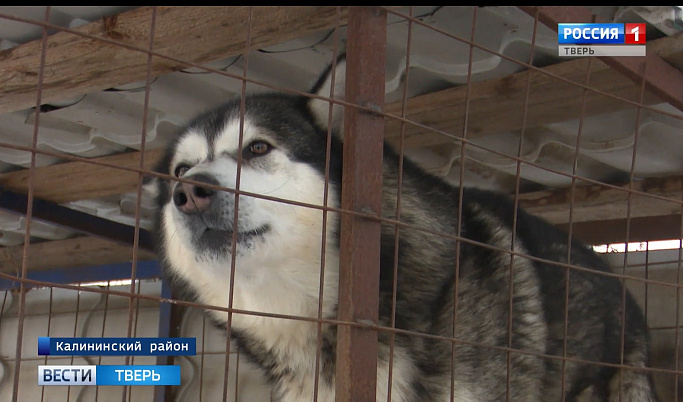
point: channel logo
(613, 39)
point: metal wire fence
(501, 116)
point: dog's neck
(273, 293)
(284, 346)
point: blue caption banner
(590, 34)
(117, 346)
(108, 375)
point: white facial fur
(279, 273)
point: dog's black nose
(194, 199)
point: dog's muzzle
(195, 199)
(208, 215)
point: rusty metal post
(356, 369)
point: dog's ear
(151, 185)
(320, 108)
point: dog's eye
(180, 170)
(259, 148)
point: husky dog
(510, 338)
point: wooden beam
(76, 65)
(84, 223)
(497, 105)
(73, 181)
(69, 253)
(599, 203)
(650, 228)
(148, 269)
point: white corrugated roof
(109, 122)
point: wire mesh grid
(461, 125)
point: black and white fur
(278, 264)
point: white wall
(659, 303)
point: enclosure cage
(90, 96)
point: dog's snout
(192, 199)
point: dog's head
(271, 145)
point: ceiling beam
(91, 58)
(595, 202)
(69, 253)
(85, 274)
(74, 181)
(610, 231)
(51, 213)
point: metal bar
(661, 78)
(56, 214)
(111, 272)
(29, 212)
(356, 365)
(168, 328)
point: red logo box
(634, 34)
